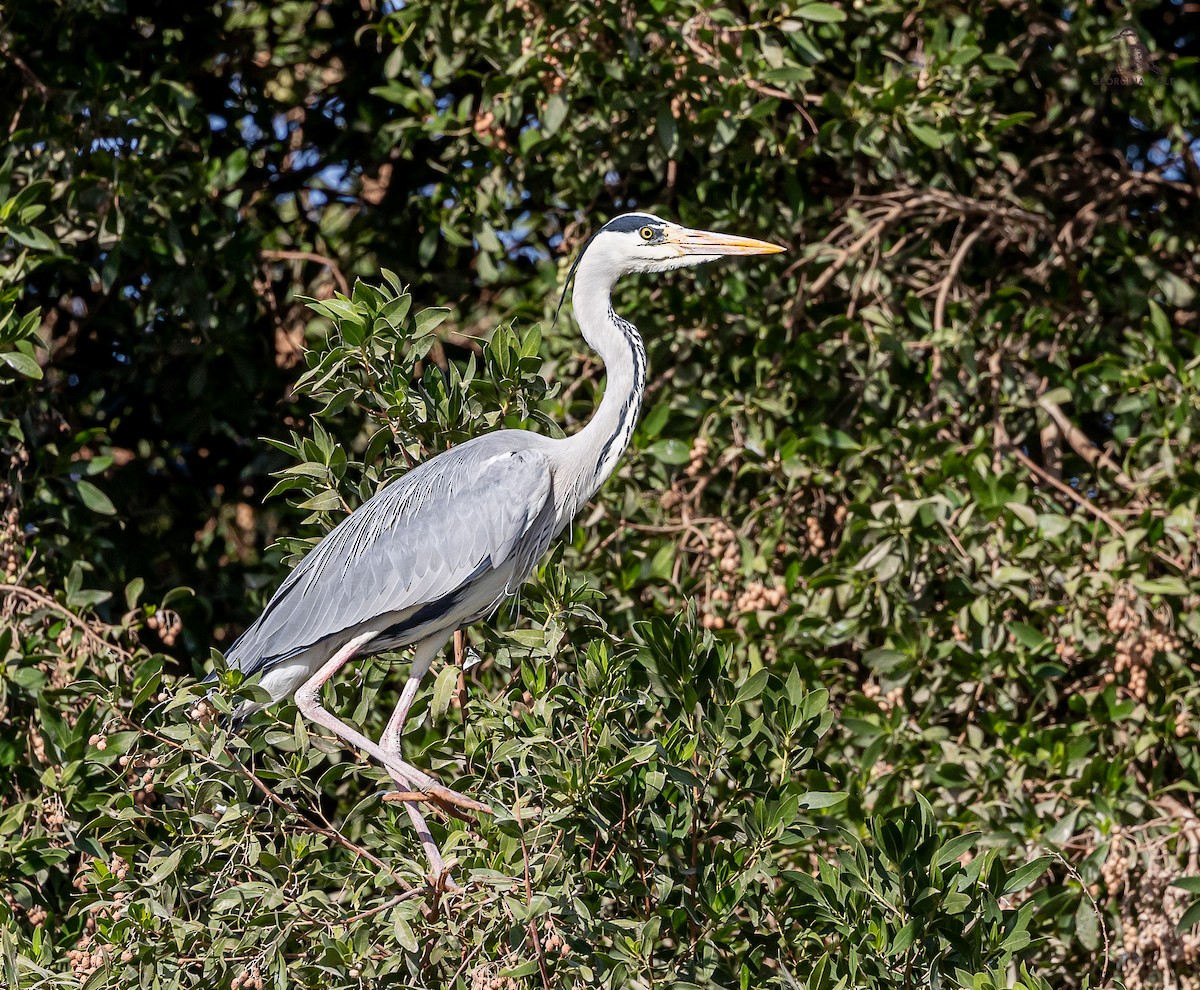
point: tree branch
(320, 259)
(1083, 446)
(1087, 504)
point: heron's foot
(450, 801)
(443, 882)
(417, 785)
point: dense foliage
(873, 666)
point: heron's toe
(452, 801)
(444, 883)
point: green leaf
(670, 451)
(1024, 513)
(955, 847)
(794, 686)
(554, 115)
(1191, 918)
(30, 237)
(1087, 926)
(1167, 585)
(404, 935)
(1159, 321)
(1022, 877)
(903, 939)
(166, 867)
(1002, 63)
(881, 660)
(518, 972)
(443, 690)
(22, 364)
(395, 310)
(929, 136)
(94, 499)
(133, 592)
(752, 687)
(1027, 636)
(325, 501)
(819, 978)
(428, 320)
(822, 13)
(815, 800)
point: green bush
(661, 813)
(873, 664)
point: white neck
(594, 450)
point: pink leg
(390, 742)
(439, 876)
(423, 656)
(308, 701)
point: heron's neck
(598, 446)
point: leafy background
(873, 666)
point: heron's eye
(647, 233)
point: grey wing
(412, 547)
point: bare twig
(327, 830)
(845, 254)
(956, 263)
(321, 259)
(402, 796)
(1087, 504)
(710, 59)
(31, 78)
(533, 932)
(1083, 446)
(1074, 873)
(398, 899)
(927, 208)
(39, 599)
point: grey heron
(441, 547)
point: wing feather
(421, 540)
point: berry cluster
(167, 624)
(697, 457)
(250, 978)
(12, 540)
(885, 700)
(90, 953)
(755, 596)
(725, 550)
(1153, 952)
(36, 915)
(139, 777)
(485, 978)
(758, 597)
(1141, 638)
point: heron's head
(642, 242)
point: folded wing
(418, 543)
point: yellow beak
(709, 243)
